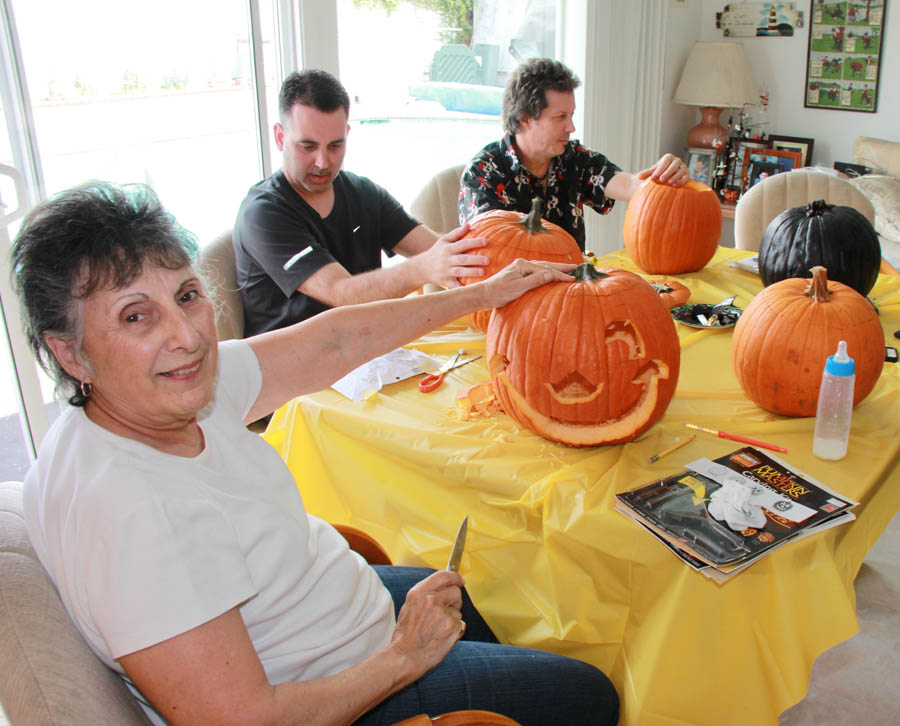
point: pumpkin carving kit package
(719, 516)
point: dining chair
(767, 199)
(436, 203)
(216, 263)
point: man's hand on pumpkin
(668, 170)
(451, 257)
(520, 276)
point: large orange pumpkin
(513, 235)
(670, 230)
(589, 362)
(782, 339)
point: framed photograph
(793, 143)
(736, 162)
(778, 161)
(702, 165)
(760, 170)
(843, 58)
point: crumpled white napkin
(397, 365)
(732, 503)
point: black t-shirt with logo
(280, 241)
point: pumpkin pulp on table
(590, 362)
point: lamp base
(705, 134)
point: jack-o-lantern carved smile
(560, 369)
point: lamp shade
(717, 75)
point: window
(159, 93)
(426, 80)
(164, 93)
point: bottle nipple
(840, 364)
(841, 355)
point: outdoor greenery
(456, 15)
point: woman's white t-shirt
(143, 545)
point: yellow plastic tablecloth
(551, 565)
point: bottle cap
(840, 364)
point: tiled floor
(856, 683)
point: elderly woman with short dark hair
(177, 538)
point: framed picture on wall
(702, 165)
(766, 162)
(793, 143)
(843, 58)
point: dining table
(549, 561)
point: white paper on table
(398, 365)
(750, 264)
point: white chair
(436, 205)
(216, 263)
(767, 199)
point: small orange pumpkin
(589, 362)
(671, 292)
(670, 230)
(513, 235)
(781, 341)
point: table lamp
(716, 76)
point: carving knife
(458, 546)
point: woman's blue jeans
(531, 686)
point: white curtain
(617, 47)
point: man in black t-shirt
(310, 236)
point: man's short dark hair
(313, 87)
(526, 90)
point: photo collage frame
(843, 63)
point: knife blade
(458, 546)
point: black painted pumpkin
(838, 238)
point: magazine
(719, 516)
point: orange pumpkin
(589, 362)
(671, 292)
(670, 230)
(512, 235)
(781, 341)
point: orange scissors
(433, 380)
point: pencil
(736, 437)
(676, 445)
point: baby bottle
(835, 406)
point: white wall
(780, 62)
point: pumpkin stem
(817, 290)
(587, 272)
(532, 222)
(818, 208)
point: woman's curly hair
(92, 237)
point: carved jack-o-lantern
(590, 362)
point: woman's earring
(86, 389)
